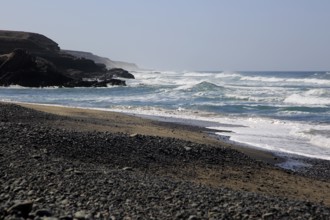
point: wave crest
(311, 97)
(206, 86)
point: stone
(65, 202)
(193, 217)
(187, 148)
(66, 218)
(21, 208)
(118, 72)
(81, 215)
(43, 213)
(267, 215)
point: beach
(90, 164)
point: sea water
(286, 112)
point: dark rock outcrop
(116, 82)
(22, 68)
(118, 72)
(41, 63)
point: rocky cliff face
(41, 46)
(22, 68)
(30, 59)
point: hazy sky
(185, 34)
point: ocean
(284, 112)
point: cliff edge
(110, 64)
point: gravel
(51, 173)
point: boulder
(118, 72)
(116, 82)
(21, 208)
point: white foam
(263, 79)
(317, 135)
(264, 133)
(311, 81)
(15, 87)
(282, 136)
(321, 141)
(307, 99)
(239, 97)
(227, 75)
(293, 164)
(318, 92)
(198, 74)
(22, 87)
(286, 80)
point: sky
(232, 35)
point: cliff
(41, 46)
(31, 59)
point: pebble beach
(70, 163)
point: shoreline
(204, 124)
(284, 160)
(67, 161)
(187, 130)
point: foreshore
(84, 164)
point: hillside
(110, 64)
(32, 41)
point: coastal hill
(41, 46)
(35, 43)
(110, 64)
(50, 66)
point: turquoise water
(281, 111)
